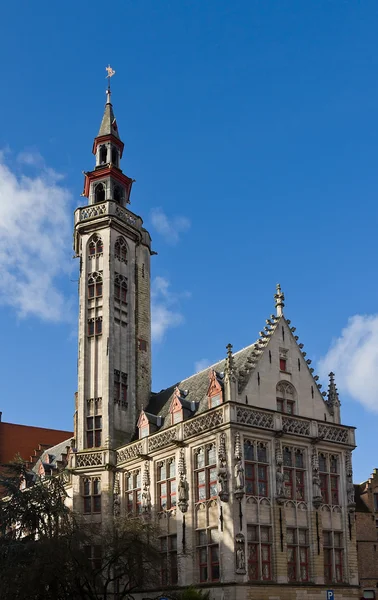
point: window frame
(94, 433)
(294, 475)
(135, 492)
(166, 476)
(168, 551)
(329, 478)
(254, 465)
(296, 546)
(91, 495)
(256, 542)
(207, 546)
(334, 549)
(209, 481)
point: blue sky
(251, 129)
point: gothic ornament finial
(229, 369)
(333, 396)
(222, 469)
(279, 298)
(110, 73)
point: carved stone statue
(239, 475)
(317, 498)
(222, 483)
(240, 559)
(183, 486)
(349, 478)
(280, 483)
(146, 498)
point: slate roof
(196, 386)
(360, 504)
(55, 454)
(108, 121)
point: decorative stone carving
(222, 469)
(92, 211)
(146, 495)
(240, 554)
(160, 440)
(92, 459)
(195, 426)
(130, 451)
(349, 479)
(256, 418)
(316, 489)
(280, 491)
(116, 496)
(183, 486)
(296, 426)
(333, 434)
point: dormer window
(176, 409)
(215, 391)
(143, 425)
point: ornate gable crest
(176, 401)
(214, 384)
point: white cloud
(201, 364)
(170, 229)
(35, 238)
(353, 356)
(165, 313)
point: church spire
(107, 182)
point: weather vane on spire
(110, 73)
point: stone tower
(114, 354)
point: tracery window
(166, 483)
(286, 396)
(94, 285)
(134, 492)
(208, 554)
(333, 556)
(205, 473)
(120, 249)
(95, 326)
(95, 246)
(294, 473)
(256, 468)
(259, 540)
(120, 388)
(168, 551)
(91, 493)
(297, 554)
(115, 156)
(120, 288)
(329, 478)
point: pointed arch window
(95, 246)
(94, 285)
(120, 288)
(118, 194)
(115, 156)
(100, 193)
(286, 397)
(120, 249)
(103, 155)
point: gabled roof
(54, 455)
(245, 362)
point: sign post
(330, 595)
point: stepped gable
(53, 459)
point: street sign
(330, 595)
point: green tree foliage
(48, 554)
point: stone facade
(367, 534)
(245, 465)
